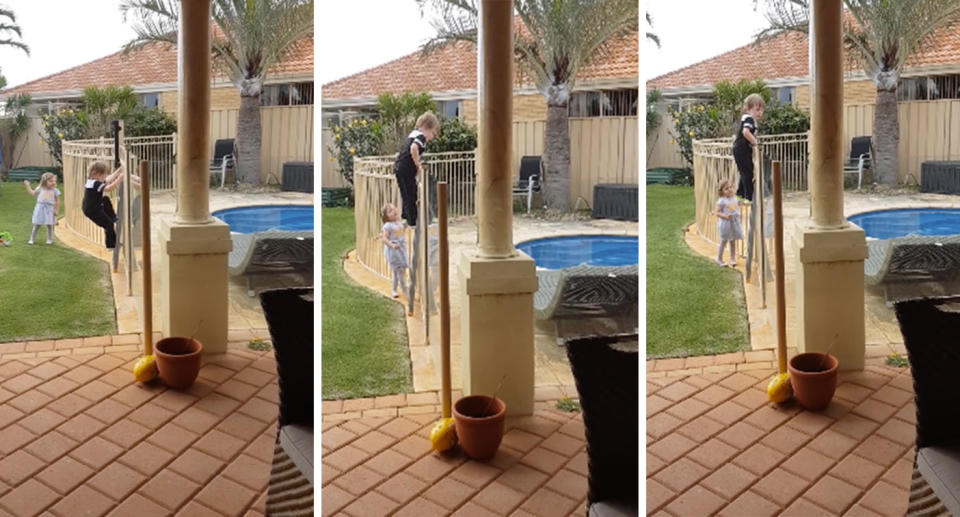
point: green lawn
(694, 307)
(48, 292)
(364, 335)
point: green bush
(149, 122)
(398, 116)
(454, 136)
(359, 137)
(64, 124)
(697, 123)
(782, 119)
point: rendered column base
(193, 295)
(497, 328)
(830, 292)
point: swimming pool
(887, 224)
(594, 250)
(252, 219)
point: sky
(61, 34)
(354, 35)
(691, 31)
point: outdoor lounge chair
(224, 157)
(859, 158)
(585, 300)
(289, 315)
(528, 181)
(914, 266)
(929, 327)
(606, 373)
(272, 252)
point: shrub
(149, 122)
(653, 118)
(64, 124)
(699, 122)
(398, 116)
(783, 119)
(359, 137)
(454, 136)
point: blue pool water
(887, 224)
(595, 250)
(252, 219)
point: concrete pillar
(194, 246)
(498, 282)
(830, 250)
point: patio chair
(289, 315)
(224, 157)
(929, 327)
(860, 152)
(606, 372)
(270, 253)
(914, 266)
(528, 181)
(585, 300)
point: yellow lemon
(145, 369)
(779, 389)
(443, 436)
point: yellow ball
(443, 436)
(779, 389)
(145, 369)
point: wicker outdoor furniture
(606, 372)
(272, 252)
(929, 327)
(914, 266)
(586, 291)
(289, 315)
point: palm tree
(10, 32)
(252, 36)
(881, 35)
(650, 35)
(558, 37)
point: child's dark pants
(103, 219)
(407, 181)
(744, 158)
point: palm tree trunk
(248, 139)
(556, 137)
(886, 136)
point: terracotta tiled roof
(152, 64)
(787, 55)
(455, 68)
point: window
(295, 94)
(606, 103)
(929, 88)
(150, 100)
(449, 109)
(785, 95)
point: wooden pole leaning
(444, 297)
(147, 270)
(779, 264)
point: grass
(694, 307)
(364, 335)
(48, 292)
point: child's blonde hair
(383, 211)
(724, 185)
(46, 176)
(96, 168)
(754, 100)
(428, 121)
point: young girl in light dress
(394, 246)
(728, 222)
(48, 204)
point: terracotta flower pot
(814, 379)
(479, 420)
(178, 360)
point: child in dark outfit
(744, 143)
(98, 208)
(408, 162)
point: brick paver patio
(78, 436)
(716, 446)
(377, 461)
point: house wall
(854, 92)
(222, 98)
(526, 108)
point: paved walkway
(79, 437)
(716, 446)
(377, 461)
